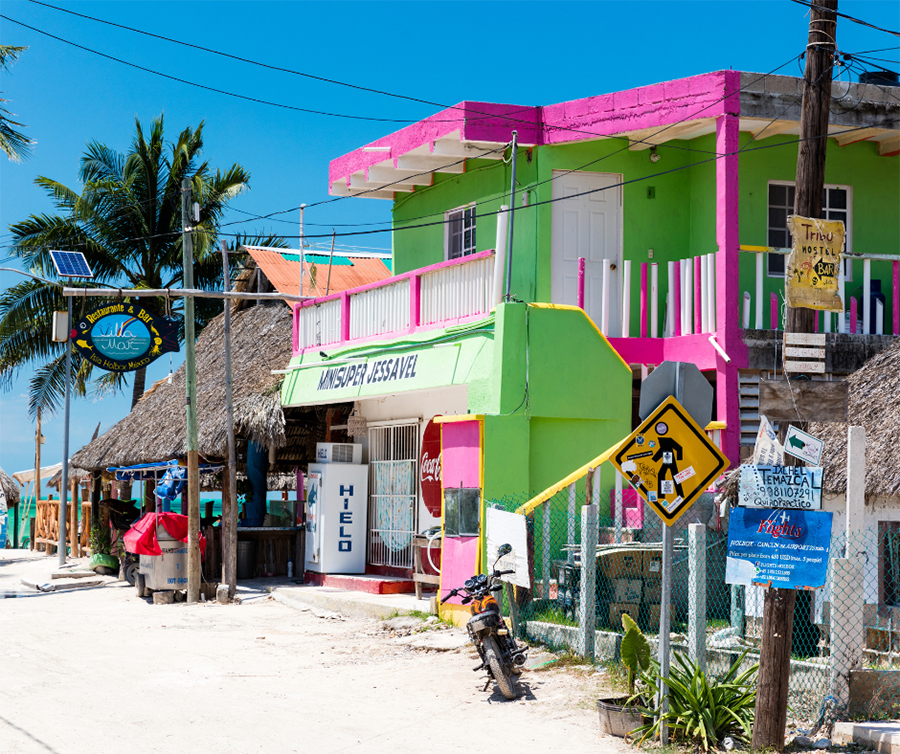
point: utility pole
(190, 369)
(302, 250)
(229, 497)
(778, 612)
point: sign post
(670, 461)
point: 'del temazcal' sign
(814, 265)
(122, 337)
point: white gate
(393, 494)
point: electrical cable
(604, 188)
(834, 12)
(221, 91)
(530, 187)
(467, 110)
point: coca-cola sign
(430, 468)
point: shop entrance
(393, 494)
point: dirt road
(99, 670)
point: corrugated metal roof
(284, 274)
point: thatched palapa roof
(155, 428)
(10, 488)
(875, 406)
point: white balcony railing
(440, 295)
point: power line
(214, 89)
(466, 110)
(531, 187)
(807, 4)
(593, 191)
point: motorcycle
(500, 655)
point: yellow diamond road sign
(669, 460)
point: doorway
(587, 225)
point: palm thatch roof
(75, 475)
(874, 405)
(10, 488)
(155, 428)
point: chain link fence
(845, 650)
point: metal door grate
(393, 495)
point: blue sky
(529, 53)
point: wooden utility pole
(190, 370)
(778, 612)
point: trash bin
(246, 559)
(167, 571)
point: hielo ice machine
(336, 508)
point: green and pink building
(649, 225)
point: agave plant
(702, 710)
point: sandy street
(99, 670)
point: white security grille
(393, 495)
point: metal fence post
(587, 611)
(545, 548)
(738, 618)
(847, 631)
(697, 595)
(570, 556)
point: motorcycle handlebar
(504, 573)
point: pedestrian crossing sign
(669, 460)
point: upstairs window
(836, 201)
(459, 234)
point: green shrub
(702, 711)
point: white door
(587, 226)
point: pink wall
(461, 454)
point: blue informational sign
(786, 549)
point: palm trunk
(140, 379)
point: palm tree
(16, 145)
(127, 221)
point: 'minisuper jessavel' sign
(798, 487)
(383, 370)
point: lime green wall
(572, 417)
(876, 197)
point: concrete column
(856, 488)
(587, 610)
(697, 594)
(847, 631)
(727, 318)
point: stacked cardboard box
(624, 570)
(652, 577)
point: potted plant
(703, 710)
(619, 716)
(102, 561)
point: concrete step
(362, 582)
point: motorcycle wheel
(501, 677)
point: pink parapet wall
(708, 95)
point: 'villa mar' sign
(122, 337)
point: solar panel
(71, 264)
